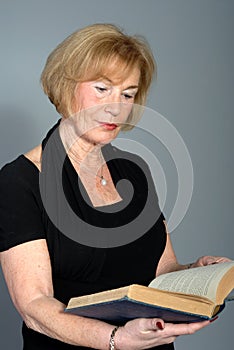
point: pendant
(103, 181)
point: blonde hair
(85, 56)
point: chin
(104, 141)
(103, 138)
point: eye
(128, 97)
(129, 94)
(101, 89)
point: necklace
(103, 181)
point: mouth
(108, 126)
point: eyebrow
(127, 88)
(132, 87)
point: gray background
(193, 45)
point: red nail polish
(214, 319)
(159, 325)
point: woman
(93, 78)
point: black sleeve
(20, 208)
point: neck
(86, 153)
(80, 149)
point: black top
(82, 265)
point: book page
(201, 281)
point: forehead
(117, 72)
(129, 81)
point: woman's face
(103, 106)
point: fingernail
(214, 319)
(159, 325)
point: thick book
(189, 295)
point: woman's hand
(146, 333)
(209, 260)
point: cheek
(84, 98)
(126, 110)
(84, 103)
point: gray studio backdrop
(193, 44)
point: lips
(109, 126)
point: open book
(183, 296)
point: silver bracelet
(112, 339)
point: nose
(113, 107)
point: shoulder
(35, 156)
(19, 172)
(19, 186)
(20, 203)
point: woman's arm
(169, 263)
(27, 272)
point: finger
(152, 325)
(218, 260)
(211, 260)
(190, 328)
(223, 259)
